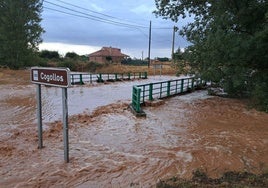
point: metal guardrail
(158, 90)
(136, 97)
(81, 78)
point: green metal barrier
(81, 78)
(100, 78)
(136, 95)
(160, 90)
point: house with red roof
(107, 55)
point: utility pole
(149, 51)
(173, 42)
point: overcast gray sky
(84, 26)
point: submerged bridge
(159, 90)
(82, 78)
(144, 93)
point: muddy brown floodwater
(110, 147)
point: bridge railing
(121, 76)
(81, 78)
(136, 98)
(158, 90)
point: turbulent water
(110, 147)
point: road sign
(58, 77)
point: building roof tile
(108, 51)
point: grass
(18, 77)
(229, 179)
(167, 69)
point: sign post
(39, 116)
(59, 77)
(65, 124)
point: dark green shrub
(67, 63)
(92, 66)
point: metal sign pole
(53, 77)
(65, 125)
(39, 116)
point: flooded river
(110, 147)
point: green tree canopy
(20, 31)
(71, 55)
(49, 54)
(229, 43)
(162, 59)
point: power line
(81, 16)
(77, 15)
(96, 18)
(106, 15)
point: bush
(260, 96)
(93, 66)
(49, 54)
(67, 63)
(135, 62)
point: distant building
(107, 55)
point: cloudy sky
(84, 26)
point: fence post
(128, 75)
(151, 92)
(81, 79)
(90, 76)
(161, 84)
(72, 78)
(145, 75)
(138, 100)
(182, 81)
(116, 77)
(192, 83)
(168, 88)
(100, 78)
(176, 91)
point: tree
(179, 62)
(49, 54)
(71, 55)
(162, 59)
(20, 31)
(229, 43)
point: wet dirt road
(109, 147)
